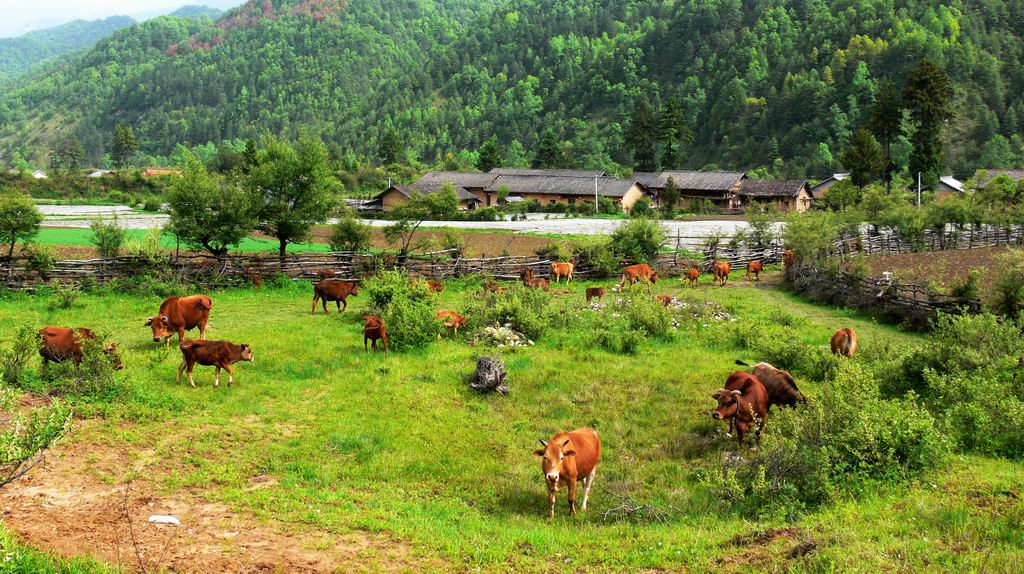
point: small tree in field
(19, 219)
(291, 189)
(108, 237)
(639, 240)
(420, 207)
(350, 234)
(669, 199)
(206, 211)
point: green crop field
(397, 447)
(83, 237)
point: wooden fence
(953, 237)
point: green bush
(350, 234)
(147, 247)
(63, 295)
(783, 347)
(25, 435)
(596, 253)
(94, 378)
(14, 361)
(638, 240)
(108, 237)
(615, 335)
(524, 310)
(981, 414)
(970, 288)
(642, 208)
(41, 259)
(1009, 283)
(405, 307)
(646, 315)
(152, 204)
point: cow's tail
(741, 363)
(848, 344)
(188, 344)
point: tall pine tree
(926, 95)
(124, 146)
(641, 136)
(549, 152)
(490, 155)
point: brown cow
(720, 272)
(526, 275)
(435, 286)
(333, 290)
(779, 384)
(789, 258)
(638, 272)
(254, 277)
(61, 343)
(491, 286)
(844, 342)
(539, 282)
(180, 314)
(563, 269)
(743, 402)
(374, 330)
(595, 292)
(755, 268)
(665, 300)
(565, 459)
(219, 354)
(452, 320)
(325, 274)
(692, 276)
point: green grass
(83, 237)
(397, 443)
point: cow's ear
(569, 452)
(716, 395)
(163, 318)
(539, 452)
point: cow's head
(728, 404)
(553, 457)
(654, 276)
(247, 353)
(115, 359)
(161, 326)
(354, 290)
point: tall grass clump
(405, 307)
(526, 310)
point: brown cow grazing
(844, 342)
(219, 354)
(254, 277)
(638, 272)
(539, 282)
(692, 276)
(526, 275)
(435, 286)
(565, 459)
(593, 292)
(491, 286)
(180, 314)
(665, 300)
(60, 344)
(452, 320)
(779, 384)
(333, 290)
(374, 330)
(564, 269)
(720, 272)
(789, 258)
(325, 274)
(755, 268)
(743, 402)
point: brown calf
(638, 272)
(743, 402)
(374, 330)
(665, 300)
(435, 286)
(754, 268)
(180, 314)
(333, 290)
(595, 292)
(219, 354)
(559, 270)
(254, 277)
(452, 320)
(325, 274)
(789, 258)
(59, 344)
(526, 275)
(565, 459)
(692, 276)
(779, 384)
(844, 342)
(720, 272)
(539, 282)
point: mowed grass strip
(398, 443)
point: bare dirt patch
(941, 268)
(75, 505)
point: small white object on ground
(164, 519)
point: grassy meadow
(398, 444)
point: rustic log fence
(953, 237)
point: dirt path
(73, 505)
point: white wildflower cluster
(503, 336)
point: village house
(574, 190)
(782, 195)
(396, 195)
(948, 186)
(983, 176)
(821, 188)
(39, 174)
(717, 189)
(475, 183)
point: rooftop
(548, 172)
(692, 180)
(561, 185)
(772, 187)
(427, 189)
(459, 178)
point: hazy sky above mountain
(20, 16)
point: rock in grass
(164, 519)
(490, 375)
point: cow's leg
(216, 376)
(572, 496)
(587, 483)
(192, 382)
(181, 368)
(551, 501)
(316, 299)
(344, 304)
(231, 374)
(364, 343)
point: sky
(20, 16)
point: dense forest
(19, 54)
(780, 85)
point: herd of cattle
(567, 457)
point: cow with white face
(567, 458)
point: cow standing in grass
(844, 342)
(567, 458)
(593, 292)
(219, 354)
(664, 299)
(58, 344)
(435, 286)
(562, 269)
(334, 290)
(452, 320)
(374, 330)
(779, 384)
(692, 276)
(720, 273)
(638, 272)
(180, 314)
(743, 402)
(755, 268)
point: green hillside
(18, 55)
(782, 84)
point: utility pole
(597, 204)
(919, 190)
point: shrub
(845, 441)
(596, 253)
(350, 234)
(404, 306)
(782, 347)
(969, 289)
(638, 240)
(108, 237)
(642, 208)
(41, 259)
(811, 235)
(147, 247)
(151, 203)
(453, 240)
(14, 360)
(26, 435)
(646, 315)
(1009, 283)
(524, 310)
(984, 414)
(93, 378)
(63, 295)
(483, 214)
(616, 335)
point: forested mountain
(740, 84)
(197, 11)
(19, 54)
